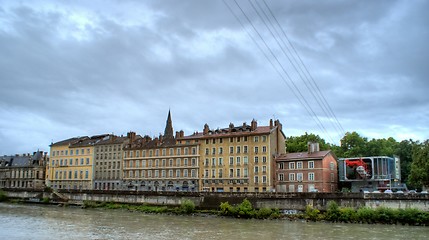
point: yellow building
(239, 159)
(161, 164)
(71, 163)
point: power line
(297, 65)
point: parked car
(424, 192)
(399, 191)
(412, 191)
(388, 191)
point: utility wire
(301, 98)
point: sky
(82, 68)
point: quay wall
(211, 200)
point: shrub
(3, 196)
(311, 213)
(365, 215)
(348, 215)
(264, 213)
(187, 206)
(333, 211)
(45, 200)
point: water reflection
(52, 222)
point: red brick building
(311, 171)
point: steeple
(168, 133)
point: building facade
(165, 163)
(376, 173)
(239, 159)
(108, 162)
(23, 171)
(71, 163)
(311, 171)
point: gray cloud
(82, 68)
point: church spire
(168, 133)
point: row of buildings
(243, 158)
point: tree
(299, 143)
(419, 174)
(353, 145)
(404, 152)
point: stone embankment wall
(283, 201)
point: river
(27, 221)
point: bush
(45, 200)
(3, 196)
(187, 206)
(264, 213)
(311, 213)
(333, 212)
(348, 215)
(365, 215)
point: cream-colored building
(71, 163)
(165, 163)
(239, 159)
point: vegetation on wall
(382, 215)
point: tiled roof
(303, 155)
(236, 131)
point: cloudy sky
(77, 68)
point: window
(206, 163)
(332, 177)
(281, 166)
(177, 173)
(220, 173)
(213, 161)
(264, 149)
(214, 140)
(207, 151)
(206, 173)
(221, 150)
(81, 161)
(194, 161)
(170, 162)
(193, 173)
(164, 152)
(171, 152)
(144, 153)
(238, 149)
(220, 140)
(213, 151)
(231, 150)
(194, 151)
(86, 174)
(256, 179)
(281, 177)
(311, 164)
(244, 149)
(256, 139)
(264, 179)
(137, 153)
(220, 161)
(256, 159)
(185, 173)
(231, 172)
(87, 161)
(298, 165)
(237, 172)
(231, 160)
(178, 162)
(264, 138)
(264, 159)
(213, 173)
(238, 139)
(185, 162)
(256, 170)
(310, 176)
(264, 169)
(245, 160)
(157, 152)
(245, 172)
(331, 166)
(238, 161)
(170, 173)
(178, 151)
(156, 173)
(299, 177)
(291, 165)
(256, 149)
(291, 177)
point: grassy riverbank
(334, 213)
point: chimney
(177, 134)
(271, 124)
(182, 133)
(231, 126)
(160, 137)
(206, 129)
(313, 147)
(131, 136)
(253, 125)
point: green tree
(404, 152)
(299, 143)
(419, 174)
(353, 145)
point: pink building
(311, 171)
